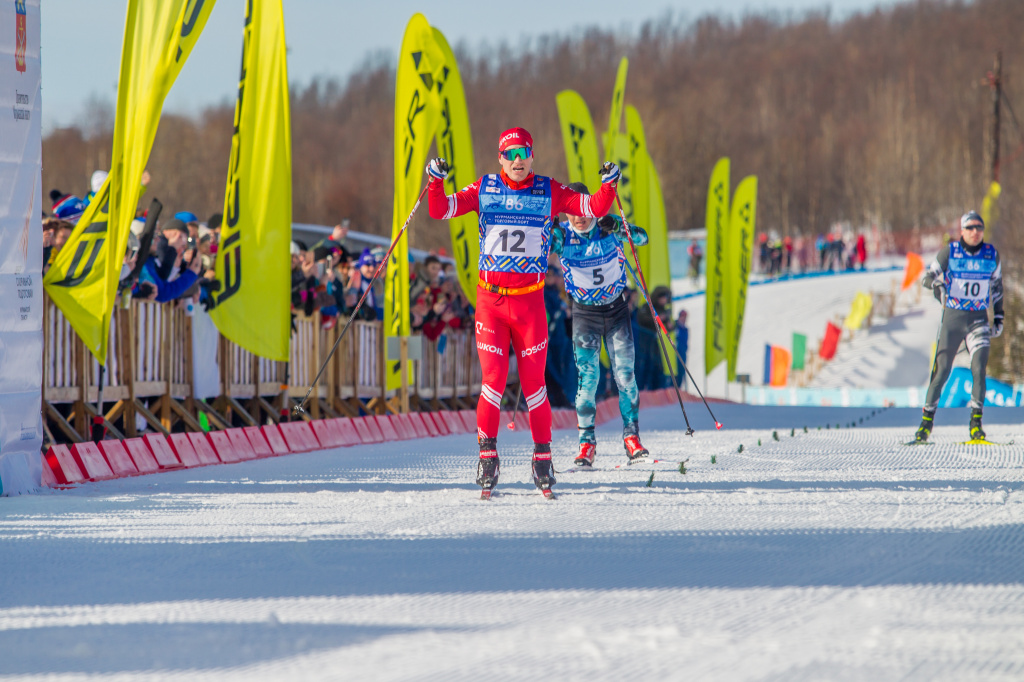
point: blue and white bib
(515, 225)
(594, 266)
(968, 277)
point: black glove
(939, 292)
(997, 324)
(608, 225)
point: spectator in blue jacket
(168, 269)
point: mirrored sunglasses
(975, 226)
(517, 153)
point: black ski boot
(543, 471)
(977, 433)
(488, 467)
(925, 429)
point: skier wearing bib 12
(968, 279)
(516, 211)
(593, 263)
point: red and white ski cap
(514, 137)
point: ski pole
(661, 324)
(654, 316)
(515, 410)
(298, 409)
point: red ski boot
(634, 450)
(588, 451)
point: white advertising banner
(21, 247)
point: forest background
(883, 118)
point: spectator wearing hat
(169, 249)
(361, 282)
(682, 346)
(66, 206)
(167, 269)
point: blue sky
(81, 41)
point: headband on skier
(514, 137)
(971, 221)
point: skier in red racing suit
(517, 210)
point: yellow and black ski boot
(925, 429)
(977, 433)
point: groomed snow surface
(826, 555)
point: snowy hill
(894, 353)
(831, 554)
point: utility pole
(995, 79)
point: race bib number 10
(973, 289)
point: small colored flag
(776, 365)
(859, 310)
(913, 270)
(831, 342)
(799, 350)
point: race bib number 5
(597, 276)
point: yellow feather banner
(615, 116)
(640, 184)
(717, 224)
(421, 66)
(580, 139)
(739, 259)
(158, 38)
(253, 304)
(455, 144)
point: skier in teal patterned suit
(594, 266)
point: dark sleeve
(936, 270)
(166, 257)
(996, 287)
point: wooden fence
(150, 373)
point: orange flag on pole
(915, 266)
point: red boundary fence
(64, 467)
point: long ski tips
(718, 425)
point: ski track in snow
(831, 554)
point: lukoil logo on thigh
(489, 348)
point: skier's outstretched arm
(565, 200)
